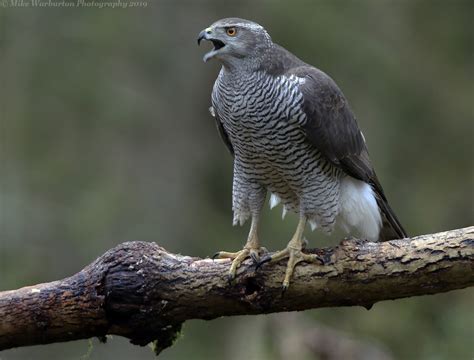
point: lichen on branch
(141, 291)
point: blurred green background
(106, 137)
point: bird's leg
(251, 249)
(294, 252)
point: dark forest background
(105, 137)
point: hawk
(292, 133)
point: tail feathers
(391, 227)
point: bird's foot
(239, 256)
(295, 255)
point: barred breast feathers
(262, 116)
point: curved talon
(237, 258)
(264, 260)
(295, 256)
(321, 259)
(254, 256)
(215, 255)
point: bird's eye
(231, 31)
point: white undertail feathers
(358, 209)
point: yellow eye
(231, 31)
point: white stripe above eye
(248, 26)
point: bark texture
(140, 291)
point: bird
(292, 134)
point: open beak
(206, 34)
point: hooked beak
(202, 35)
(206, 34)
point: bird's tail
(391, 227)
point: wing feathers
(332, 128)
(221, 130)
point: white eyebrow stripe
(248, 26)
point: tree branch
(140, 291)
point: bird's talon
(254, 257)
(237, 259)
(216, 255)
(322, 260)
(263, 260)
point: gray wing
(332, 128)
(221, 130)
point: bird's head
(235, 41)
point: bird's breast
(261, 115)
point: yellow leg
(251, 249)
(294, 252)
